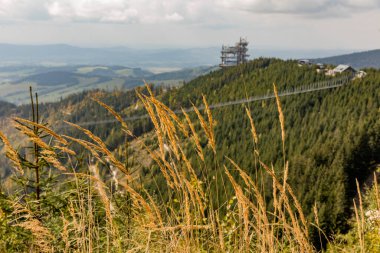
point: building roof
(303, 61)
(341, 68)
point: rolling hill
(54, 83)
(367, 59)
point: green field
(56, 82)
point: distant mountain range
(358, 60)
(71, 55)
(62, 54)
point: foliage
(118, 215)
(6, 108)
(369, 227)
(13, 239)
(332, 139)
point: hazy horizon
(63, 53)
(179, 47)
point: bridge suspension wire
(313, 87)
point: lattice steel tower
(233, 56)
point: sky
(267, 24)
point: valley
(53, 83)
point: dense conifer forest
(327, 144)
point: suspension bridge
(312, 87)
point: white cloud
(23, 9)
(127, 15)
(174, 17)
(95, 10)
(171, 11)
(301, 6)
(193, 23)
(127, 11)
(119, 11)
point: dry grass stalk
(142, 204)
(154, 119)
(162, 167)
(115, 114)
(174, 172)
(361, 221)
(50, 157)
(316, 218)
(299, 210)
(243, 204)
(163, 122)
(81, 212)
(300, 233)
(40, 143)
(253, 128)
(251, 184)
(161, 107)
(103, 148)
(156, 210)
(42, 236)
(263, 232)
(195, 196)
(286, 172)
(40, 126)
(168, 127)
(47, 152)
(65, 232)
(360, 228)
(168, 170)
(219, 229)
(211, 123)
(187, 217)
(182, 228)
(280, 114)
(188, 165)
(12, 154)
(25, 130)
(170, 130)
(194, 136)
(94, 149)
(376, 191)
(101, 188)
(65, 150)
(206, 128)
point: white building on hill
(340, 69)
(344, 69)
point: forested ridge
(6, 108)
(332, 137)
